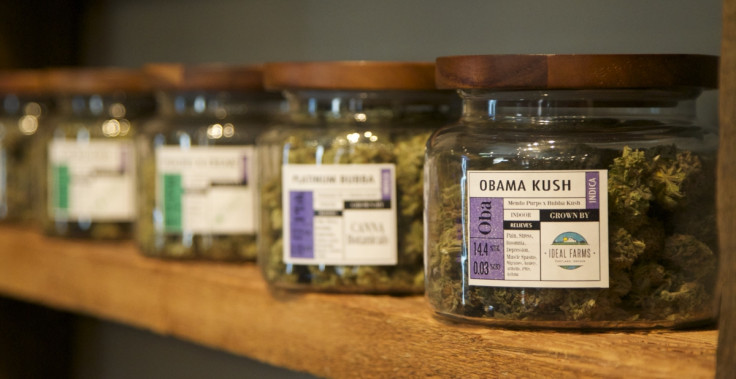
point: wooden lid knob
(207, 77)
(613, 71)
(350, 75)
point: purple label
(486, 217)
(301, 224)
(385, 184)
(486, 238)
(486, 259)
(592, 190)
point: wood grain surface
(229, 307)
(91, 80)
(726, 198)
(350, 75)
(577, 71)
(198, 77)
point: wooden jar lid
(21, 81)
(214, 76)
(613, 71)
(97, 80)
(350, 75)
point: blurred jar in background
(89, 162)
(197, 162)
(23, 104)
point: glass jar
(198, 180)
(341, 191)
(576, 191)
(89, 153)
(24, 106)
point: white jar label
(91, 180)
(339, 214)
(543, 229)
(208, 189)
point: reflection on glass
(185, 142)
(117, 110)
(353, 137)
(28, 125)
(32, 109)
(111, 128)
(200, 104)
(124, 127)
(214, 131)
(96, 105)
(229, 130)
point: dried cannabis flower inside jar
(89, 160)
(585, 201)
(198, 181)
(24, 106)
(342, 180)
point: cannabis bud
(402, 148)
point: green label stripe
(172, 191)
(61, 180)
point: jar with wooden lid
(341, 193)
(198, 179)
(575, 191)
(89, 163)
(24, 104)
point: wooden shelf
(229, 307)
